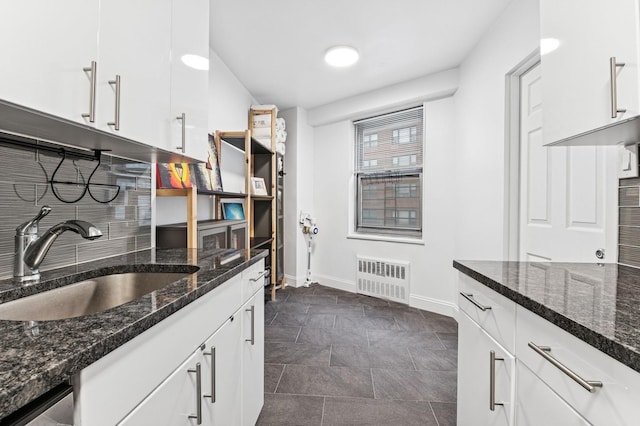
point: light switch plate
(628, 161)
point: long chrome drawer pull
(543, 351)
(213, 374)
(262, 274)
(183, 118)
(117, 84)
(198, 372)
(253, 325)
(470, 298)
(492, 381)
(92, 91)
(613, 67)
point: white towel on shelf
(280, 148)
(280, 124)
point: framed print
(173, 175)
(258, 187)
(232, 209)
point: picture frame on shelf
(232, 209)
(213, 165)
(173, 175)
(258, 187)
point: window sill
(386, 238)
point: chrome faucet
(31, 249)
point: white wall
(229, 103)
(334, 258)
(298, 194)
(480, 139)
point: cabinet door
(135, 43)
(253, 358)
(189, 81)
(576, 76)
(222, 368)
(474, 390)
(45, 45)
(173, 402)
(538, 405)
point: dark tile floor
(338, 358)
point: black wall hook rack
(67, 154)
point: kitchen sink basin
(86, 297)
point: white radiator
(386, 279)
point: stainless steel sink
(86, 297)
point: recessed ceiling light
(341, 56)
(196, 62)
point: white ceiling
(276, 47)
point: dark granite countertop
(37, 356)
(598, 303)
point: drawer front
(615, 403)
(493, 312)
(537, 404)
(252, 280)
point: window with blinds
(388, 173)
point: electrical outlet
(628, 161)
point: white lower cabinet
(485, 377)
(173, 402)
(222, 391)
(204, 364)
(538, 405)
(550, 378)
(253, 358)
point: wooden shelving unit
(192, 211)
(262, 124)
(259, 209)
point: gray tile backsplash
(125, 222)
(629, 222)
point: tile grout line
(434, 413)
(279, 378)
(324, 402)
(412, 360)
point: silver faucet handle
(31, 226)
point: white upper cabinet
(190, 77)
(134, 44)
(581, 90)
(44, 46)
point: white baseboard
(434, 305)
(336, 283)
(292, 281)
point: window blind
(388, 171)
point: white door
(474, 379)
(577, 76)
(221, 382)
(174, 402)
(189, 83)
(253, 358)
(45, 46)
(567, 194)
(135, 44)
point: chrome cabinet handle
(253, 325)
(492, 381)
(262, 274)
(92, 91)
(213, 374)
(183, 118)
(198, 372)
(613, 67)
(470, 298)
(543, 351)
(116, 122)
